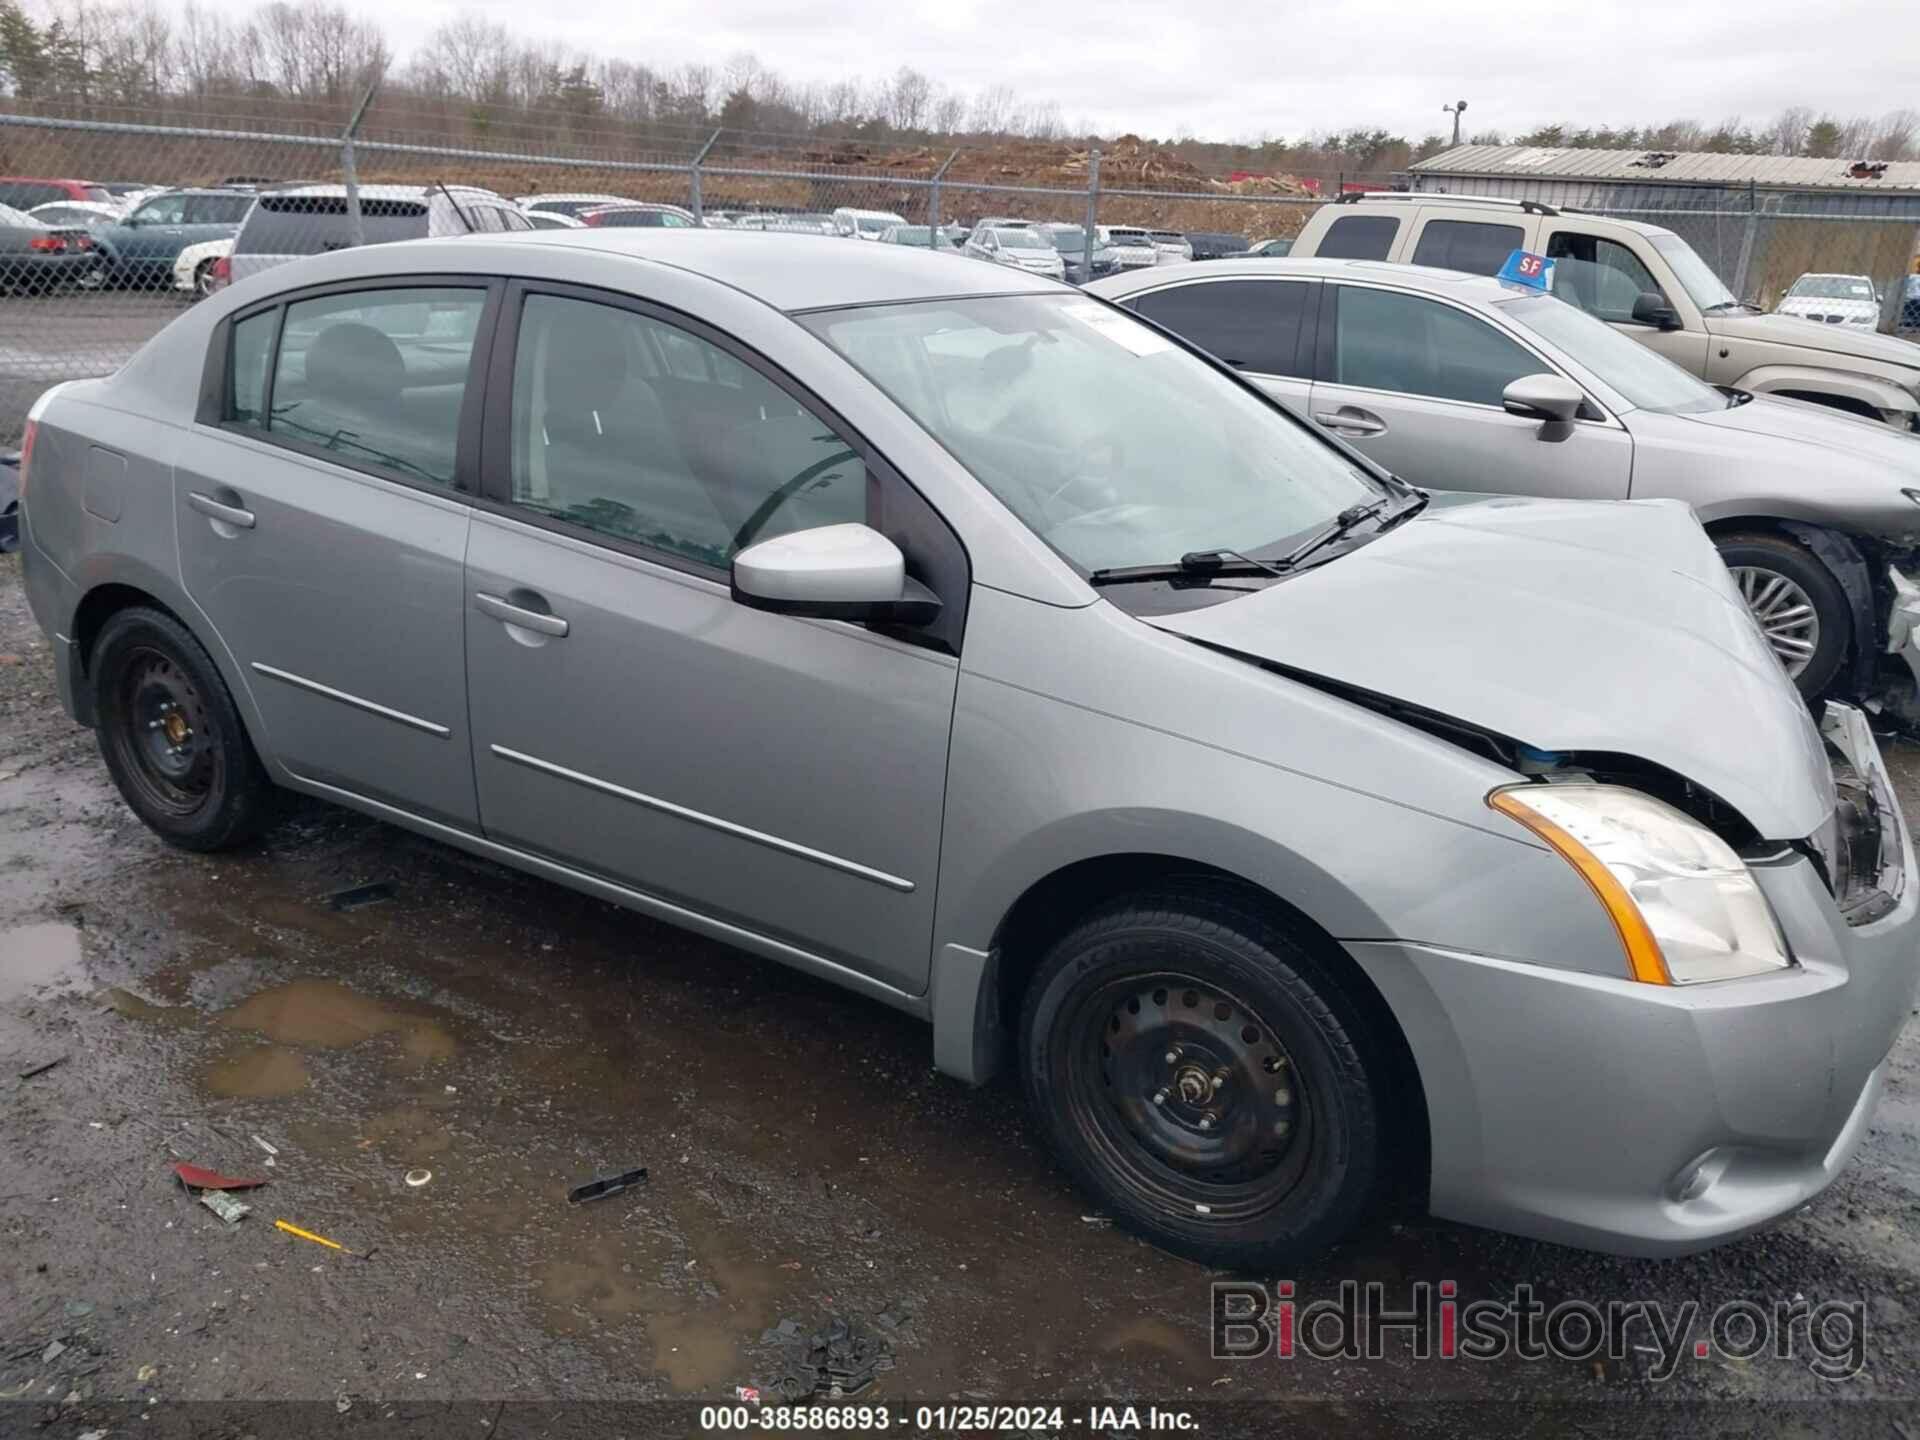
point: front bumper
(1655, 1120)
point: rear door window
(310, 224)
(166, 210)
(217, 209)
(377, 378)
(1470, 245)
(1251, 324)
(1387, 340)
(1360, 237)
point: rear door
(1417, 384)
(1479, 247)
(1261, 327)
(213, 217)
(778, 774)
(322, 508)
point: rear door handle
(511, 614)
(237, 516)
(1357, 422)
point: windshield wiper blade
(1344, 524)
(1197, 565)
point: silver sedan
(970, 644)
(1467, 384)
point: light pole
(1456, 109)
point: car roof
(788, 272)
(1429, 278)
(382, 192)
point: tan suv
(1646, 281)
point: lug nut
(1282, 1128)
(1283, 1097)
(1161, 1098)
(1206, 1121)
(1219, 1078)
(1173, 1056)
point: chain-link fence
(162, 212)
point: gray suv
(969, 643)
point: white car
(76, 214)
(554, 220)
(569, 202)
(1020, 246)
(195, 268)
(1130, 248)
(865, 224)
(1849, 300)
(1170, 247)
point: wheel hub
(1784, 612)
(1200, 1082)
(167, 736)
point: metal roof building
(1680, 169)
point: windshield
(1021, 238)
(874, 224)
(1109, 441)
(1642, 377)
(1832, 287)
(1696, 276)
(1066, 237)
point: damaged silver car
(1465, 383)
(966, 642)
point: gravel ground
(514, 1038)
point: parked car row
(1305, 836)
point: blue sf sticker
(1523, 267)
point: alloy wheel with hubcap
(1784, 612)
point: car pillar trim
(712, 822)
(357, 702)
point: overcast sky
(1241, 70)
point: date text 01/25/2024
(945, 1419)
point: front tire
(172, 737)
(1797, 603)
(1208, 1078)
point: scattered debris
(417, 1178)
(831, 1363)
(195, 1177)
(146, 1373)
(270, 1149)
(93, 1435)
(343, 1404)
(1099, 1222)
(606, 1185)
(747, 1394)
(54, 1350)
(42, 1067)
(225, 1206)
(79, 1309)
(360, 896)
(295, 1230)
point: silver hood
(1566, 625)
(1831, 339)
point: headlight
(1686, 907)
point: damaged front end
(1859, 851)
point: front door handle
(1351, 422)
(237, 516)
(511, 614)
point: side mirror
(834, 572)
(1651, 308)
(1543, 397)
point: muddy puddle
(326, 1015)
(36, 959)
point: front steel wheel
(1214, 1082)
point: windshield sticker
(1524, 268)
(1125, 332)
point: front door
(1416, 384)
(147, 240)
(322, 534)
(1604, 278)
(779, 774)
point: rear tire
(1797, 603)
(1207, 1078)
(172, 737)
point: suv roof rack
(1532, 207)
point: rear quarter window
(1360, 237)
(312, 224)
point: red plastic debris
(199, 1179)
